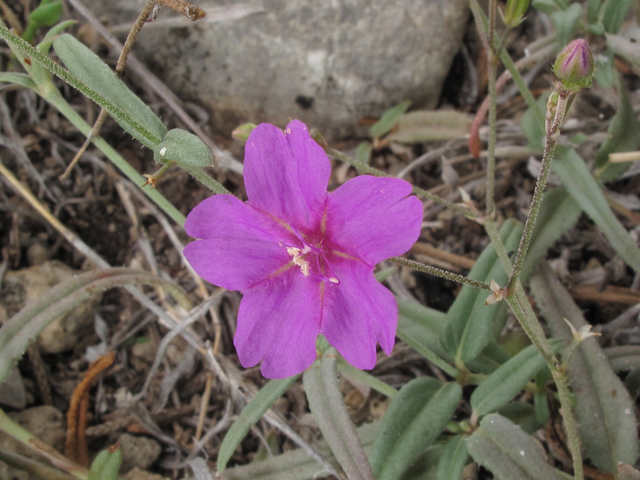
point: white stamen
(334, 280)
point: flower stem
(547, 158)
(54, 98)
(492, 66)
(569, 423)
(364, 168)
(438, 272)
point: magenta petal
(373, 218)
(241, 245)
(286, 175)
(358, 313)
(278, 322)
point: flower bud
(243, 131)
(574, 65)
(514, 14)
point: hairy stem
(438, 272)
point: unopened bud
(243, 131)
(574, 65)
(514, 14)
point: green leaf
(623, 135)
(623, 358)
(523, 415)
(577, 179)
(604, 409)
(549, 6)
(92, 71)
(469, 324)
(426, 466)
(558, 213)
(21, 79)
(413, 421)
(605, 70)
(389, 119)
(614, 13)
(531, 128)
(183, 148)
(430, 125)
(107, 464)
(505, 383)
(508, 452)
(541, 407)
(330, 412)
(593, 8)
(453, 459)
(566, 21)
(249, 416)
(46, 14)
(363, 152)
(45, 45)
(295, 464)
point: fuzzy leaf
(566, 21)
(604, 409)
(558, 213)
(330, 412)
(587, 193)
(470, 322)
(623, 135)
(389, 119)
(21, 79)
(504, 384)
(453, 459)
(249, 416)
(430, 125)
(624, 358)
(413, 421)
(604, 74)
(92, 71)
(183, 148)
(508, 452)
(614, 13)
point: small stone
(37, 253)
(138, 452)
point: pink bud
(574, 65)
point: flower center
(311, 259)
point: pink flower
(302, 257)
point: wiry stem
(492, 73)
(438, 272)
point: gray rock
(46, 423)
(327, 63)
(138, 452)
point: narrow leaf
(249, 416)
(92, 71)
(412, 423)
(558, 213)
(504, 384)
(183, 148)
(623, 135)
(508, 452)
(389, 119)
(623, 358)
(566, 21)
(430, 125)
(587, 193)
(21, 79)
(453, 459)
(614, 13)
(470, 321)
(330, 412)
(604, 409)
